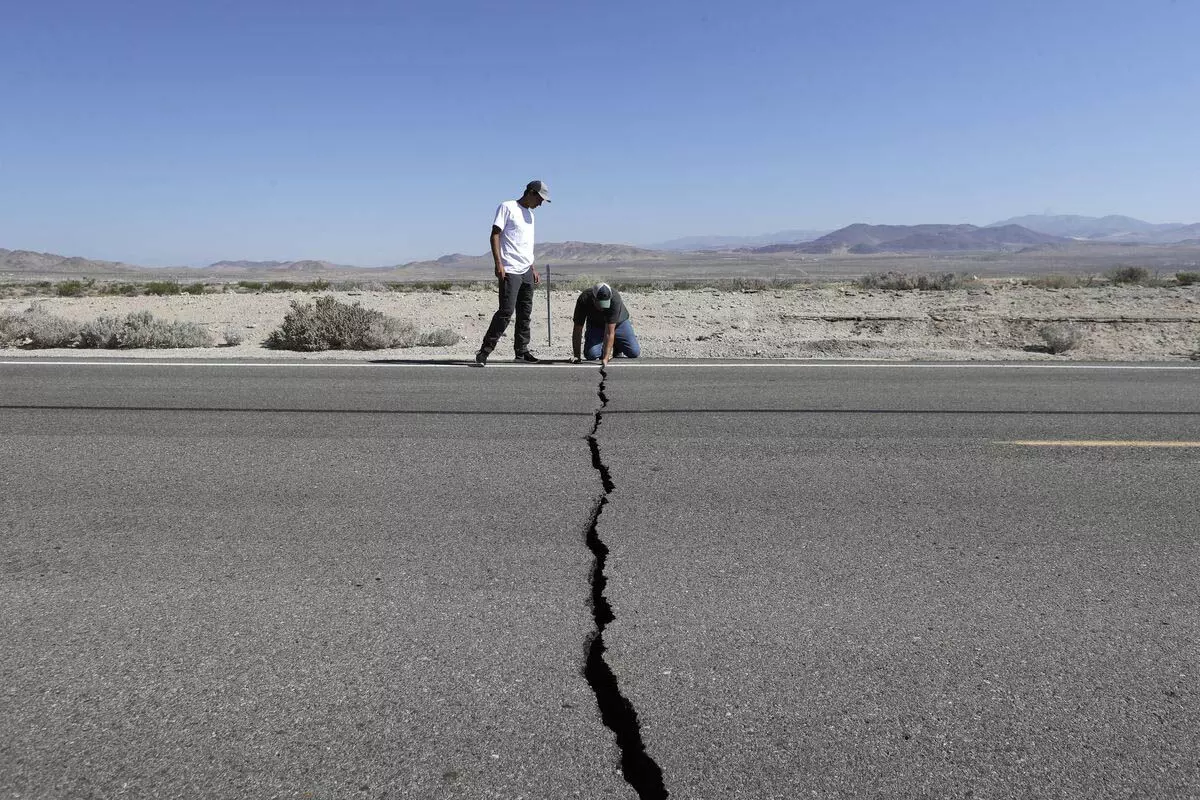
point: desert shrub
(72, 288)
(125, 289)
(141, 330)
(442, 337)
(293, 286)
(332, 325)
(103, 333)
(1061, 337)
(906, 282)
(1056, 282)
(420, 286)
(253, 286)
(164, 287)
(37, 328)
(581, 282)
(1187, 278)
(1135, 275)
(233, 337)
(194, 288)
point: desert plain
(995, 319)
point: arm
(495, 239)
(610, 336)
(577, 342)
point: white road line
(1101, 443)
(618, 367)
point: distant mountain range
(731, 242)
(1018, 233)
(863, 239)
(1113, 228)
(275, 266)
(29, 261)
(556, 252)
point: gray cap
(538, 188)
(602, 292)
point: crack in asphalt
(618, 714)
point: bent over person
(608, 330)
(512, 252)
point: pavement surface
(329, 581)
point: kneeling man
(609, 332)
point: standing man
(512, 251)
(609, 331)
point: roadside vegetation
(1063, 281)
(1059, 337)
(923, 282)
(329, 324)
(36, 328)
(1129, 275)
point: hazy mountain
(1177, 235)
(30, 261)
(593, 253)
(552, 253)
(274, 266)
(1112, 228)
(863, 238)
(731, 242)
(242, 266)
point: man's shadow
(461, 362)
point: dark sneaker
(527, 358)
(480, 360)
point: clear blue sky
(371, 132)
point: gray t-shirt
(597, 317)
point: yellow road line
(1101, 443)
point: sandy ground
(996, 323)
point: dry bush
(233, 337)
(73, 288)
(581, 282)
(331, 325)
(442, 337)
(37, 328)
(902, 281)
(1187, 278)
(1057, 282)
(163, 288)
(142, 330)
(1060, 337)
(103, 333)
(1135, 275)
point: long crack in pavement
(617, 713)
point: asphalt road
(373, 581)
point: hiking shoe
(480, 360)
(527, 358)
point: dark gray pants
(516, 292)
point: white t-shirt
(516, 236)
